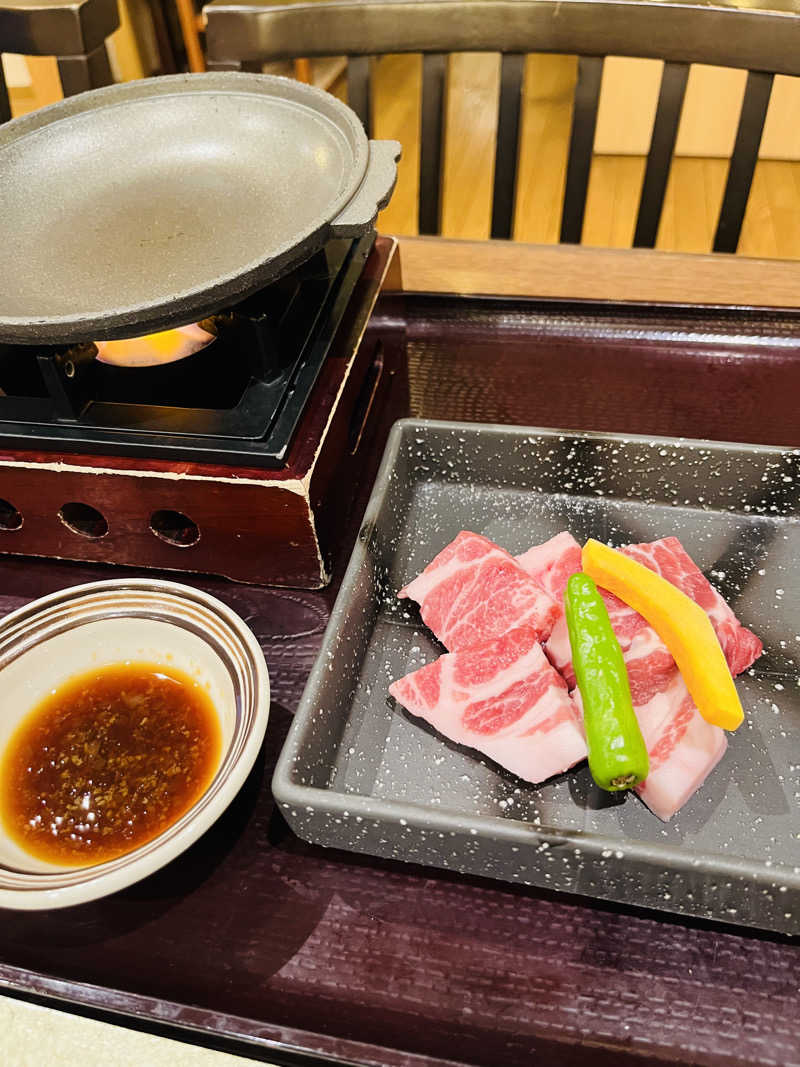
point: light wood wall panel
(544, 146)
(710, 114)
(781, 138)
(473, 82)
(627, 107)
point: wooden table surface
(576, 272)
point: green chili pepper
(617, 752)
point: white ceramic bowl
(47, 642)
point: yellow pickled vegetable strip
(681, 624)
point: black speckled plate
(358, 773)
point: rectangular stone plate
(357, 772)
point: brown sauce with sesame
(106, 762)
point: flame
(167, 346)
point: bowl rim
(113, 875)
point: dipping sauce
(106, 762)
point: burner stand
(241, 520)
(238, 400)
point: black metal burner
(238, 400)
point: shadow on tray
(146, 901)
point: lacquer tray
(258, 942)
(359, 773)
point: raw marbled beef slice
(552, 563)
(670, 559)
(683, 748)
(502, 698)
(474, 591)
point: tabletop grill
(236, 459)
(237, 207)
(236, 400)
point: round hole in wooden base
(175, 528)
(83, 520)
(10, 518)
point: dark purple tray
(253, 936)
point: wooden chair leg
(79, 73)
(302, 70)
(191, 36)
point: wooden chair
(74, 31)
(244, 33)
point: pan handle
(374, 192)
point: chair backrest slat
(761, 39)
(358, 89)
(681, 31)
(659, 158)
(431, 141)
(581, 143)
(743, 160)
(512, 70)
